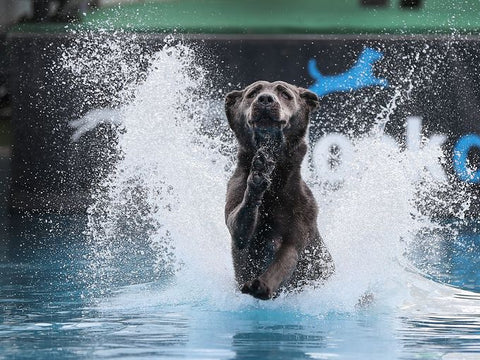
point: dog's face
(264, 107)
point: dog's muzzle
(266, 112)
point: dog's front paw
(257, 288)
(260, 173)
(263, 162)
(258, 182)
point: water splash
(158, 217)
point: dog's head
(265, 107)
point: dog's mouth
(266, 119)
(267, 123)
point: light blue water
(47, 312)
(148, 272)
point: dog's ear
(232, 98)
(311, 99)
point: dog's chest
(275, 210)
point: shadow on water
(278, 342)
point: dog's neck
(288, 159)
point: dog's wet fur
(270, 211)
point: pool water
(48, 311)
(147, 272)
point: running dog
(270, 211)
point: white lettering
(431, 147)
(333, 152)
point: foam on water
(158, 218)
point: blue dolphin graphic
(358, 76)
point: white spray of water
(164, 203)
(167, 191)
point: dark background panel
(49, 172)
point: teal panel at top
(281, 17)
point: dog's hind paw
(258, 289)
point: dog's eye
(251, 94)
(286, 95)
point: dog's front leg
(282, 267)
(242, 221)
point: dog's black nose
(265, 99)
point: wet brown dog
(270, 211)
